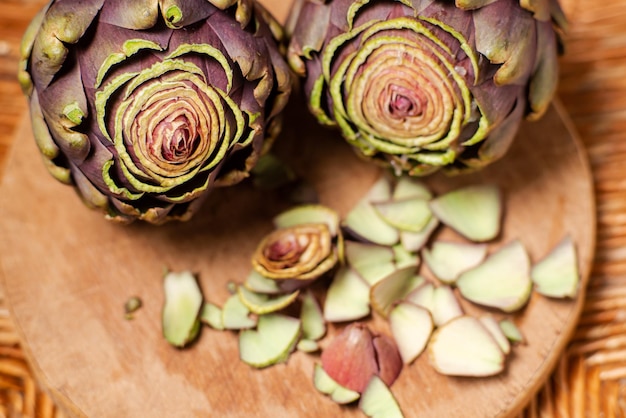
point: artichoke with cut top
(145, 106)
(424, 85)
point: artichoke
(145, 106)
(424, 85)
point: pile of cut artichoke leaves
(144, 108)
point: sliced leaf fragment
(271, 343)
(347, 298)
(393, 288)
(463, 347)
(212, 316)
(445, 305)
(258, 283)
(406, 215)
(262, 304)
(409, 187)
(502, 281)
(364, 222)
(494, 329)
(313, 325)
(447, 260)
(414, 241)
(328, 386)
(411, 326)
(183, 301)
(557, 274)
(404, 258)
(473, 211)
(235, 315)
(308, 346)
(372, 262)
(377, 401)
(511, 331)
(423, 296)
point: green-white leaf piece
(372, 262)
(464, 347)
(347, 298)
(404, 258)
(308, 214)
(557, 274)
(308, 346)
(406, 215)
(235, 315)
(313, 324)
(491, 325)
(411, 326)
(183, 301)
(211, 315)
(409, 188)
(377, 401)
(261, 284)
(261, 304)
(473, 211)
(423, 296)
(511, 331)
(393, 288)
(445, 305)
(414, 241)
(328, 386)
(364, 222)
(271, 343)
(447, 260)
(502, 281)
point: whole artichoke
(147, 105)
(422, 85)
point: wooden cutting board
(67, 273)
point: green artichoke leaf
(64, 23)
(136, 15)
(130, 48)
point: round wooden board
(67, 273)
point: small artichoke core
(178, 137)
(286, 247)
(402, 103)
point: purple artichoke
(145, 106)
(423, 85)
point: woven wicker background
(590, 380)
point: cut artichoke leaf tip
(447, 260)
(236, 315)
(502, 281)
(211, 315)
(557, 275)
(511, 331)
(464, 347)
(261, 304)
(347, 298)
(181, 310)
(326, 385)
(473, 211)
(393, 288)
(274, 339)
(312, 317)
(377, 401)
(411, 326)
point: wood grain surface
(588, 381)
